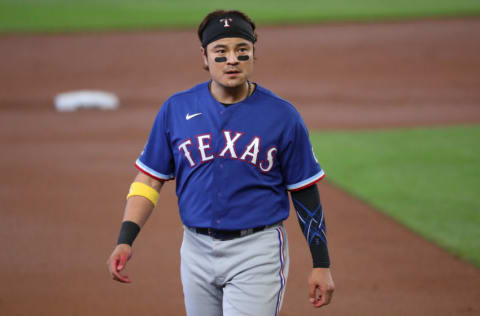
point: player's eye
(220, 51)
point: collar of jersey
(232, 105)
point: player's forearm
(312, 222)
(139, 207)
(137, 210)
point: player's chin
(234, 81)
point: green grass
(76, 15)
(427, 179)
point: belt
(230, 234)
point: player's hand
(117, 261)
(321, 287)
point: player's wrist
(320, 256)
(128, 233)
(321, 265)
(321, 262)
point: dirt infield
(65, 174)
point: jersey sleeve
(156, 159)
(299, 165)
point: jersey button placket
(218, 187)
(219, 170)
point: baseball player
(234, 149)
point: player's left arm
(312, 222)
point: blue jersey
(233, 165)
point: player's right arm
(137, 211)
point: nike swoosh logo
(192, 115)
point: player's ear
(203, 52)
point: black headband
(227, 26)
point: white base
(87, 99)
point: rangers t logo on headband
(226, 22)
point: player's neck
(229, 95)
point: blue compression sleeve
(312, 222)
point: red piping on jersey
(151, 175)
(307, 185)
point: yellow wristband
(141, 189)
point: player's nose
(232, 58)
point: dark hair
(219, 13)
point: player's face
(224, 64)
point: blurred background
(389, 92)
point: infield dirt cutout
(65, 175)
